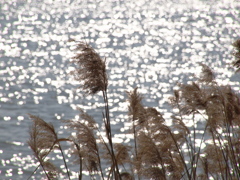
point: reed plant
(158, 151)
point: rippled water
(149, 44)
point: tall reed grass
(158, 151)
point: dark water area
(152, 45)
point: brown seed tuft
(91, 70)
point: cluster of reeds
(158, 151)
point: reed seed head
(43, 138)
(207, 74)
(85, 138)
(136, 110)
(236, 54)
(91, 70)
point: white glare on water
(152, 45)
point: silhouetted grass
(158, 151)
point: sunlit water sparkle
(149, 44)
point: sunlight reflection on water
(152, 45)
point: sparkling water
(152, 45)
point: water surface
(152, 45)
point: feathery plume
(154, 173)
(85, 139)
(236, 54)
(91, 70)
(126, 176)
(122, 153)
(180, 125)
(42, 140)
(148, 156)
(214, 159)
(206, 75)
(193, 98)
(136, 110)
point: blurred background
(152, 45)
